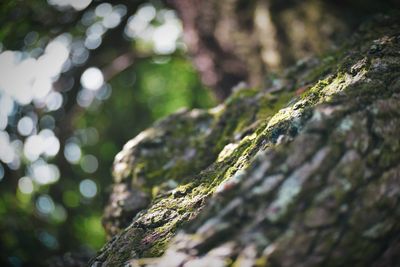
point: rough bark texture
(303, 173)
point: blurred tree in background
(78, 78)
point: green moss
(240, 94)
(276, 113)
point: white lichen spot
(189, 153)
(217, 109)
(268, 184)
(231, 182)
(343, 81)
(280, 139)
(240, 86)
(346, 184)
(139, 138)
(195, 113)
(291, 187)
(121, 170)
(288, 191)
(346, 125)
(226, 151)
(378, 230)
(317, 116)
(268, 251)
(282, 115)
(171, 163)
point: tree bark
(302, 173)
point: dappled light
(163, 37)
(92, 79)
(76, 4)
(77, 80)
(199, 133)
(88, 188)
(26, 78)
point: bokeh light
(92, 79)
(72, 92)
(48, 239)
(72, 152)
(162, 36)
(44, 173)
(89, 163)
(25, 185)
(88, 188)
(76, 4)
(25, 126)
(45, 204)
(25, 78)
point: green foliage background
(152, 87)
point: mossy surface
(272, 175)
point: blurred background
(78, 79)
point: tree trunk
(239, 40)
(303, 173)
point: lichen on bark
(302, 173)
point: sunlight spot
(88, 188)
(25, 185)
(15, 163)
(72, 152)
(25, 78)
(89, 163)
(33, 147)
(76, 4)
(6, 105)
(88, 18)
(103, 9)
(52, 146)
(146, 12)
(138, 24)
(3, 121)
(165, 37)
(41, 87)
(92, 79)
(47, 121)
(88, 136)
(79, 54)
(7, 153)
(79, 4)
(112, 20)
(93, 41)
(96, 29)
(120, 9)
(54, 57)
(85, 97)
(25, 126)
(54, 101)
(17, 147)
(44, 173)
(59, 214)
(45, 204)
(46, 133)
(48, 239)
(104, 92)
